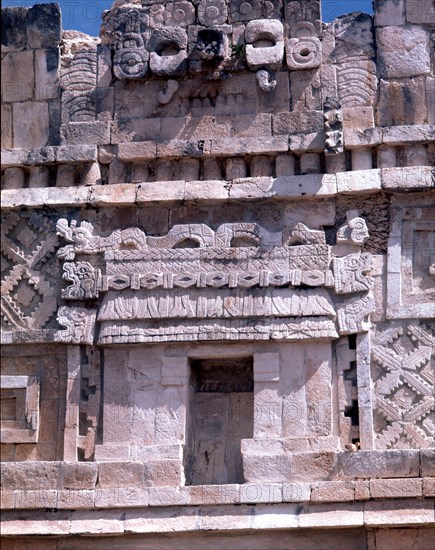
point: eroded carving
(212, 12)
(333, 123)
(352, 273)
(353, 315)
(79, 323)
(169, 51)
(354, 231)
(266, 80)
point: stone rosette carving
(212, 12)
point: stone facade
(218, 292)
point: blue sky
(85, 15)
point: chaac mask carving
(170, 39)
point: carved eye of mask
(168, 56)
(303, 53)
(264, 43)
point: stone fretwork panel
(238, 282)
(402, 366)
(29, 285)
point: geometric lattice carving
(403, 374)
(28, 299)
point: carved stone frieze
(403, 363)
(240, 272)
(310, 328)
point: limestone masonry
(218, 278)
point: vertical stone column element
(284, 165)
(267, 402)
(172, 418)
(14, 178)
(362, 159)
(365, 395)
(386, 157)
(416, 155)
(335, 163)
(310, 163)
(65, 175)
(39, 177)
(71, 429)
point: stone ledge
(248, 493)
(281, 188)
(65, 154)
(226, 517)
(390, 135)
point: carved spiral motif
(130, 63)
(212, 12)
(179, 14)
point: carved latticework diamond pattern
(403, 374)
(28, 296)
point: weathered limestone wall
(218, 261)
